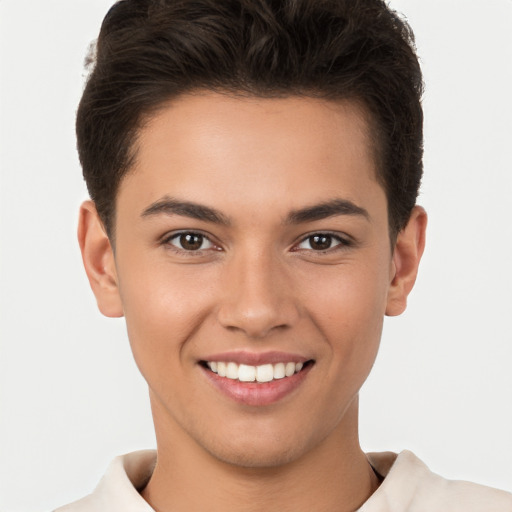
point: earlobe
(98, 259)
(407, 254)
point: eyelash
(167, 241)
(342, 243)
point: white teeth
(265, 373)
(247, 373)
(279, 371)
(221, 369)
(232, 371)
(290, 369)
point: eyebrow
(171, 206)
(324, 210)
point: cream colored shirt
(408, 486)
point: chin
(255, 458)
(260, 450)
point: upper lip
(255, 358)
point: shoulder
(409, 486)
(119, 487)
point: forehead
(247, 151)
(205, 116)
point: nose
(258, 296)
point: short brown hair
(150, 51)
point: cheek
(163, 307)
(350, 314)
(352, 297)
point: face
(253, 266)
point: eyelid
(344, 240)
(170, 236)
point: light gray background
(70, 395)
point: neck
(334, 476)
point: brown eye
(320, 242)
(190, 241)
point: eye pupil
(320, 242)
(191, 241)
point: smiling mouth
(262, 373)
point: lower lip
(256, 393)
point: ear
(406, 259)
(98, 258)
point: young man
(253, 169)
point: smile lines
(247, 373)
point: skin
(257, 284)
